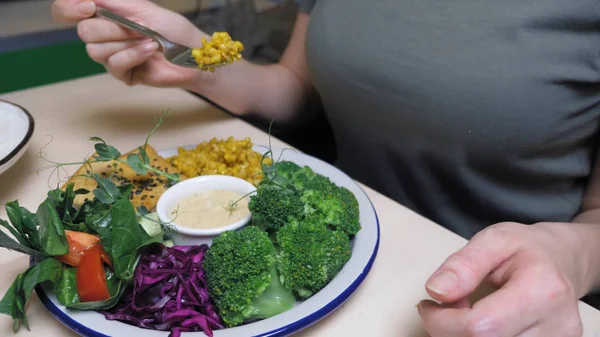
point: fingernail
(150, 47)
(86, 8)
(419, 309)
(443, 283)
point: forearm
(585, 229)
(268, 91)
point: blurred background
(35, 50)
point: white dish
(190, 236)
(16, 129)
(364, 251)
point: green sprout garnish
(269, 172)
(139, 162)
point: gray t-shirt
(468, 112)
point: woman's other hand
(540, 272)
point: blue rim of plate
(27, 137)
(286, 330)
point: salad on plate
(98, 243)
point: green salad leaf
(110, 215)
(100, 223)
(116, 288)
(53, 240)
(14, 215)
(15, 300)
(66, 288)
(127, 236)
(24, 225)
(10, 244)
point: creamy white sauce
(207, 210)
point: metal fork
(175, 53)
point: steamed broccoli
(311, 255)
(286, 168)
(279, 174)
(294, 192)
(242, 278)
(273, 207)
(337, 206)
(306, 179)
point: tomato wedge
(79, 243)
(90, 277)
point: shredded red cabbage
(169, 293)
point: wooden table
(411, 247)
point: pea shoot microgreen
(139, 162)
(268, 172)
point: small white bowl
(16, 130)
(193, 236)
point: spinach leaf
(56, 199)
(12, 306)
(53, 240)
(111, 281)
(150, 240)
(62, 201)
(29, 222)
(66, 289)
(24, 225)
(89, 208)
(47, 270)
(101, 224)
(10, 244)
(77, 227)
(14, 301)
(14, 215)
(126, 237)
(67, 294)
(16, 228)
(67, 205)
(118, 288)
(78, 222)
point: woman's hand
(127, 55)
(540, 272)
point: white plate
(16, 129)
(364, 250)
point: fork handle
(101, 12)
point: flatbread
(147, 188)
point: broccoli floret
(311, 255)
(279, 174)
(286, 168)
(273, 207)
(307, 179)
(337, 206)
(278, 201)
(242, 278)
